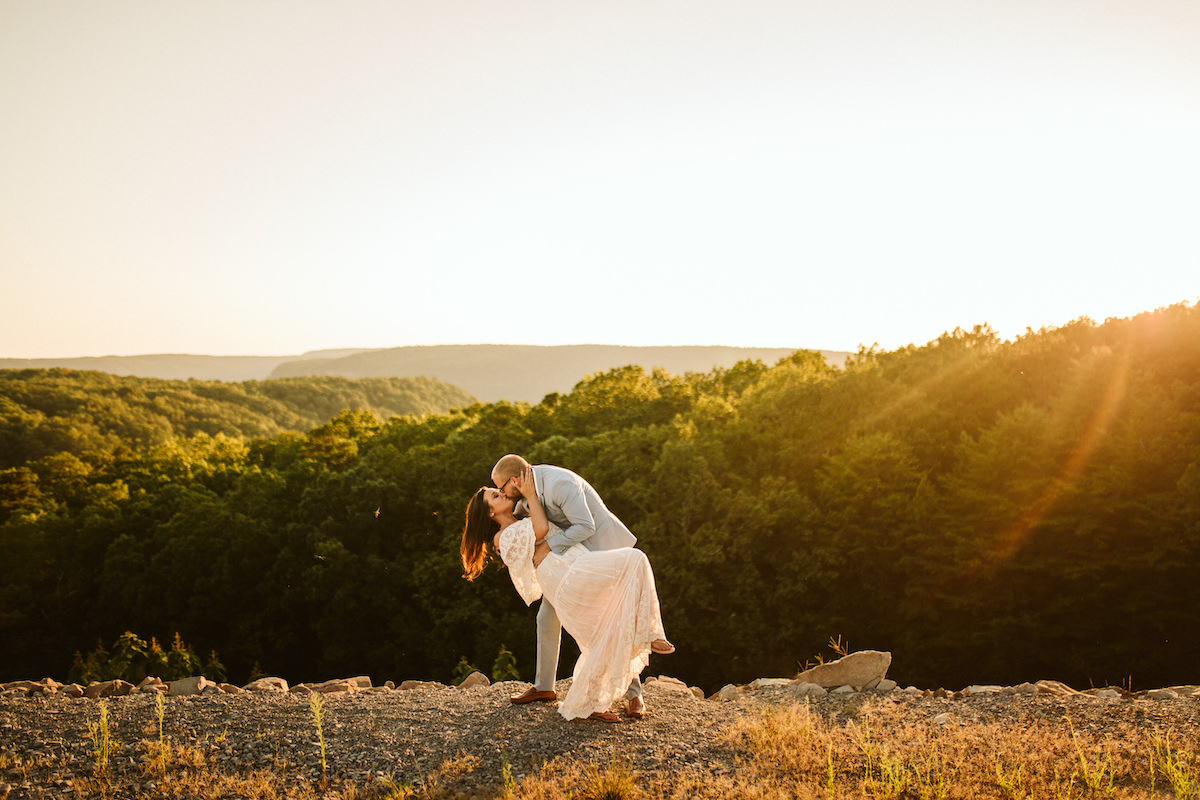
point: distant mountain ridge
(491, 372)
(494, 372)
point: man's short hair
(507, 467)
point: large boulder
(861, 670)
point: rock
(671, 684)
(229, 688)
(762, 683)
(389, 685)
(72, 690)
(362, 682)
(1026, 688)
(185, 687)
(886, 685)
(972, 691)
(698, 693)
(809, 690)
(267, 685)
(727, 692)
(406, 685)
(1056, 688)
(856, 669)
(847, 689)
(23, 686)
(336, 686)
(475, 679)
(117, 688)
(1162, 694)
(150, 684)
(943, 719)
(1104, 693)
(301, 689)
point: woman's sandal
(605, 716)
(662, 647)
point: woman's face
(497, 502)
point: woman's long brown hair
(477, 535)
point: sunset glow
(267, 178)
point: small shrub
(132, 659)
(504, 668)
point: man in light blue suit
(575, 507)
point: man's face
(509, 488)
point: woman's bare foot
(662, 647)
(605, 716)
(637, 708)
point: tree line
(987, 510)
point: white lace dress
(605, 599)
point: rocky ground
(460, 739)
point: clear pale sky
(262, 178)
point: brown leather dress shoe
(530, 695)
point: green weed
(1178, 768)
(1010, 782)
(160, 712)
(316, 704)
(1093, 775)
(102, 745)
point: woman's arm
(537, 514)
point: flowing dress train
(605, 599)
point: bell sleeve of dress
(516, 551)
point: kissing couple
(562, 544)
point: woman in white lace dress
(605, 599)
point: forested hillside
(45, 412)
(989, 511)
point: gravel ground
(461, 738)
(406, 736)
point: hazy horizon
(449, 344)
